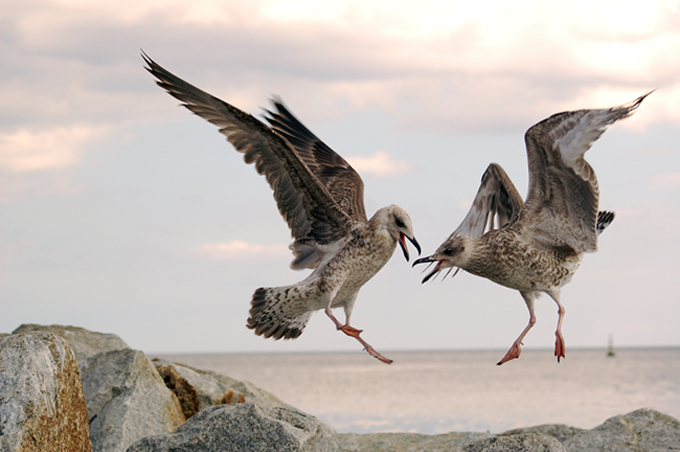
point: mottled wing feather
(311, 213)
(604, 219)
(563, 196)
(496, 204)
(341, 180)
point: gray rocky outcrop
(525, 442)
(127, 400)
(42, 406)
(406, 442)
(55, 379)
(126, 397)
(199, 389)
(640, 430)
(245, 427)
(84, 343)
(560, 432)
(449, 442)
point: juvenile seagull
(320, 196)
(536, 246)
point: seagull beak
(424, 260)
(402, 243)
(429, 260)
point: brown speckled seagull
(536, 246)
(320, 196)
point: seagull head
(398, 224)
(454, 252)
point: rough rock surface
(130, 408)
(560, 432)
(84, 343)
(198, 389)
(406, 442)
(525, 442)
(126, 398)
(244, 427)
(640, 430)
(42, 407)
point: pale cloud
(26, 150)
(667, 181)
(448, 66)
(238, 249)
(18, 187)
(380, 164)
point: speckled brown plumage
(536, 246)
(320, 196)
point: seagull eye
(448, 251)
(400, 224)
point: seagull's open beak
(429, 260)
(402, 243)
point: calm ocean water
(444, 391)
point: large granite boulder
(560, 432)
(640, 430)
(524, 442)
(199, 389)
(42, 406)
(407, 442)
(127, 400)
(84, 343)
(448, 442)
(126, 397)
(245, 427)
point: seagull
(320, 196)
(536, 246)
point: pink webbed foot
(354, 332)
(513, 353)
(350, 331)
(371, 351)
(560, 348)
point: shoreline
(133, 404)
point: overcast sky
(121, 212)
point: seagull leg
(515, 349)
(353, 332)
(560, 347)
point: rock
(525, 442)
(42, 407)
(560, 432)
(244, 427)
(84, 343)
(406, 442)
(640, 430)
(198, 389)
(126, 398)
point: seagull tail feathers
(273, 312)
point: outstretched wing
(563, 197)
(341, 180)
(314, 217)
(496, 204)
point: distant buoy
(610, 350)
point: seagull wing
(314, 217)
(341, 180)
(496, 204)
(562, 202)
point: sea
(434, 392)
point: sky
(121, 212)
